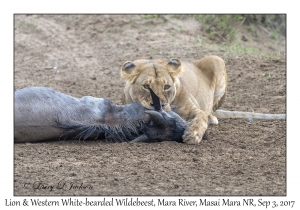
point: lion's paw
(192, 137)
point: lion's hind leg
(218, 101)
(220, 90)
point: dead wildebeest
(42, 113)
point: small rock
(244, 38)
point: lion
(194, 90)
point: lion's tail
(235, 114)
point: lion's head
(161, 76)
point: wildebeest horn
(155, 115)
(155, 100)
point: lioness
(193, 90)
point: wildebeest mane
(116, 133)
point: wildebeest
(42, 113)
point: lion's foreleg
(196, 128)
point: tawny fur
(195, 89)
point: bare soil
(81, 55)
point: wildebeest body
(44, 114)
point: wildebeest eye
(146, 86)
(167, 87)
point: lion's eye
(167, 87)
(146, 86)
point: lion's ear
(128, 71)
(175, 67)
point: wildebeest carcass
(42, 113)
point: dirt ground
(82, 54)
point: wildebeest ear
(128, 71)
(175, 67)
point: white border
(153, 6)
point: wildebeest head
(162, 126)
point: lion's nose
(151, 104)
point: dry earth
(82, 55)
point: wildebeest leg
(141, 138)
